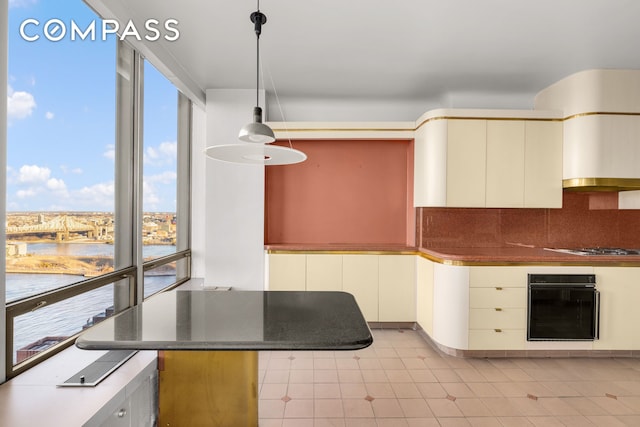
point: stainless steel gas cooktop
(597, 251)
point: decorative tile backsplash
(584, 220)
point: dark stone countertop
(235, 320)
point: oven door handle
(596, 315)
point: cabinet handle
(122, 413)
(498, 330)
(498, 309)
(498, 288)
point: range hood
(601, 184)
(601, 128)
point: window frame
(129, 266)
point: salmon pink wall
(583, 221)
(346, 192)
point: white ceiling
(425, 53)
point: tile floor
(402, 381)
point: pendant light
(256, 134)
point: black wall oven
(562, 307)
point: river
(67, 318)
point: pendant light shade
(256, 131)
(256, 135)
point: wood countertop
(470, 256)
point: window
(159, 191)
(76, 197)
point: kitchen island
(209, 341)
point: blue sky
(61, 118)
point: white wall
(4, 8)
(233, 198)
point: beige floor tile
(380, 390)
(413, 363)
(422, 376)
(406, 390)
(325, 376)
(328, 363)
(446, 375)
(327, 391)
(605, 421)
(374, 375)
(484, 390)
(444, 408)
(472, 407)
(355, 422)
(454, 422)
(269, 422)
(431, 390)
(325, 408)
(273, 391)
(517, 374)
(329, 422)
(631, 402)
(353, 390)
(300, 422)
(387, 408)
(557, 406)
(271, 408)
(323, 354)
(395, 363)
(458, 390)
(612, 406)
(279, 364)
(357, 408)
(304, 376)
(350, 376)
(392, 422)
(300, 391)
(545, 422)
(370, 364)
(528, 407)
(423, 422)
(484, 421)
(306, 364)
(469, 375)
(299, 408)
(386, 352)
(629, 420)
(576, 421)
(514, 421)
(276, 376)
(398, 375)
(415, 408)
(349, 363)
(584, 406)
(501, 407)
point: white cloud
(97, 196)
(166, 177)
(163, 154)
(49, 115)
(65, 170)
(110, 153)
(34, 174)
(56, 185)
(20, 104)
(29, 192)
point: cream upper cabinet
(501, 160)
(466, 163)
(505, 163)
(543, 164)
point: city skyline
(61, 119)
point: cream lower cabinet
(497, 308)
(360, 278)
(397, 288)
(424, 294)
(384, 285)
(619, 315)
(287, 272)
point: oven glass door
(561, 312)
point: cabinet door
(324, 272)
(360, 278)
(424, 294)
(619, 315)
(397, 288)
(466, 163)
(287, 272)
(505, 164)
(543, 164)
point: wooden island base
(208, 388)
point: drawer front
(489, 339)
(498, 297)
(506, 277)
(500, 318)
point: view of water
(67, 318)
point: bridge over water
(61, 226)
